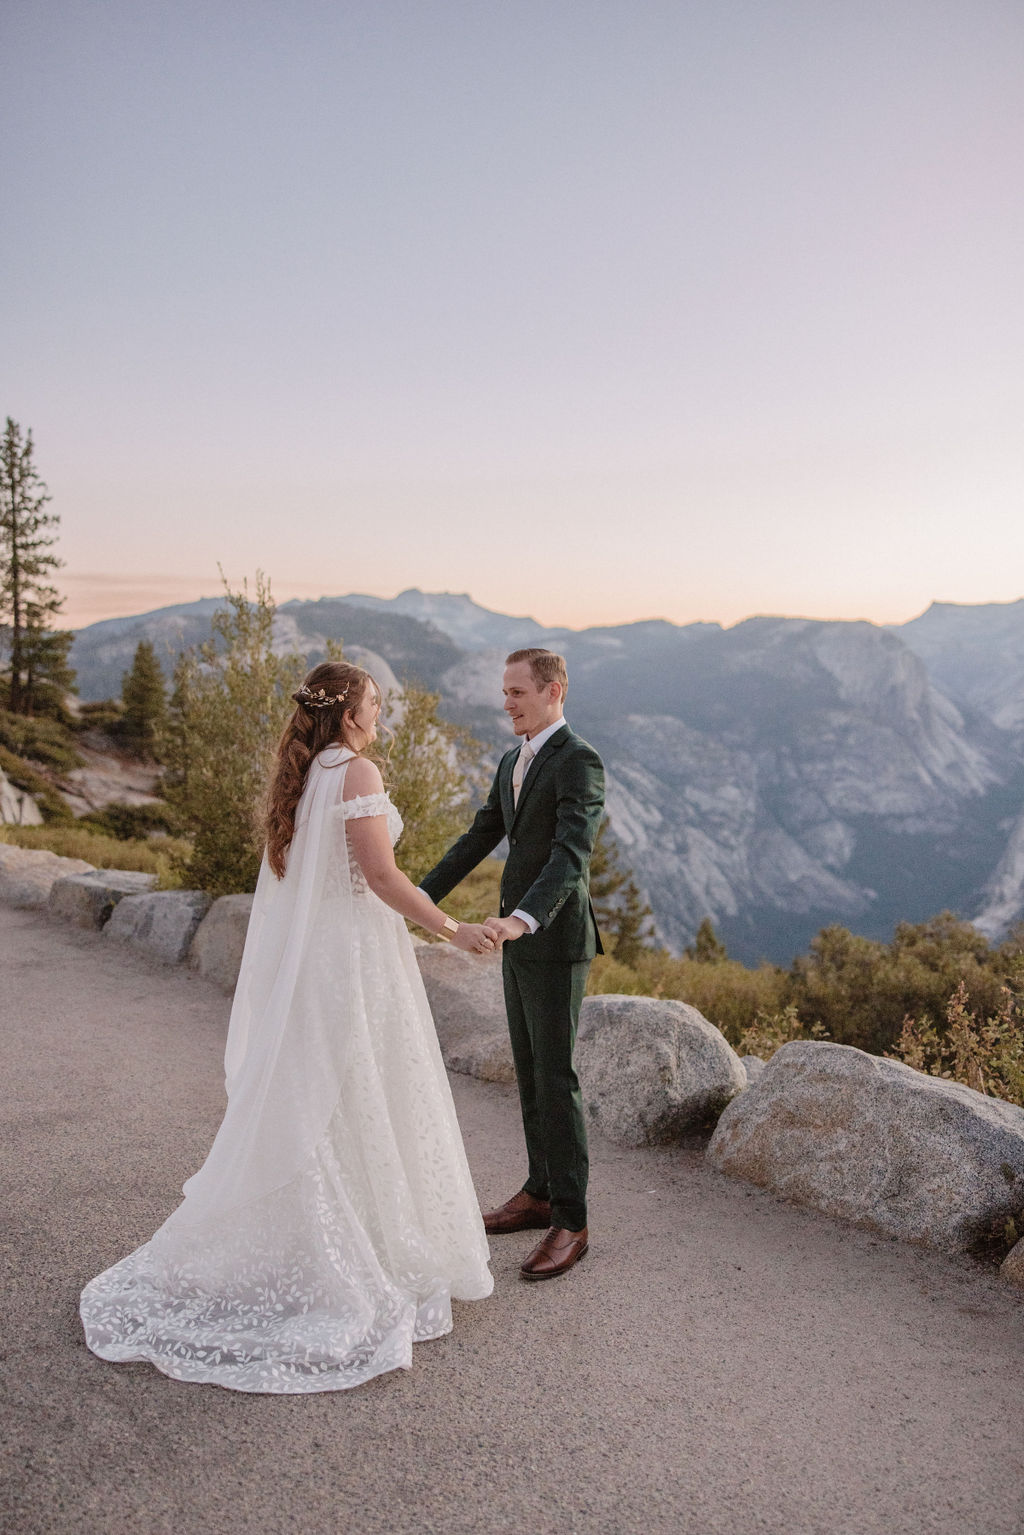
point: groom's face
(530, 707)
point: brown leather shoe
(520, 1213)
(555, 1253)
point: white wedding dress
(334, 1219)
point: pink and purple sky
(598, 311)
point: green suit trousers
(543, 1005)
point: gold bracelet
(448, 930)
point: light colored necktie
(523, 761)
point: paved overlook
(720, 1362)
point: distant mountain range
(776, 776)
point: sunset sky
(595, 310)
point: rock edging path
(866, 1140)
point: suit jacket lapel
(508, 806)
(550, 745)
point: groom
(548, 799)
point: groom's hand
(505, 929)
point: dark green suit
(551, 835)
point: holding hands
(486, 937)
(504, 929)
(473, 938)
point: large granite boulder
(1012, 1267)
(17, 807)
(27, 876)
(753, 1065)
(216, 950)
(653, 1071)
(468, 1004)
(874, 1142)
(162, 924)
(87, 900)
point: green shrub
(99, 716)
(613, 977)
(728, 994)
(131, 822)
(770, 1031)
(230, 704)
(861, 990)
(431, 770)
(986, 1053)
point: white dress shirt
(536, 742)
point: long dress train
(334, 1219)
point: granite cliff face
(775, 776)
(976, 656)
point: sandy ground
(719, 1362)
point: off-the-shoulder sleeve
(362, 805)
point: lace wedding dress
(334, 1219)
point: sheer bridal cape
(334, 1219)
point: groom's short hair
(545, 667)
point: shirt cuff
(524, 916)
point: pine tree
(634, 924)
(707, 947)
(47, 676)
(28, 602)
(145, 704)
(624, 917)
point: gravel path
(719, 1362)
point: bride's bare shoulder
(362, 777)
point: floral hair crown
(318, 699)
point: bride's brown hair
(331, 691)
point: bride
(334, 1219)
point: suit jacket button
(512, 840)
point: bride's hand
(472, 939)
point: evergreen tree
(707, 948)
(38, 669)
(47, 676)
(145, 704)
(624, 917)
(634, 925)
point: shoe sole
(555, 1273)
(505, 1231)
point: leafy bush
(161, 856)
(986, 1053)
(432, 768)
(728, 994)
(857, 991)
(770, 1031)
(861, 990)
(230, 704)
